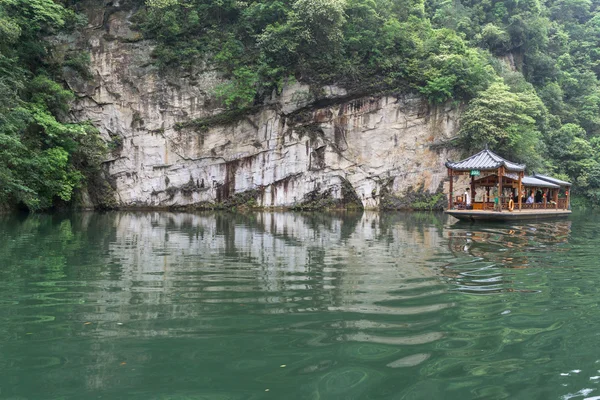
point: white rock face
(286, 152)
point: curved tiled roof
(485, 160)
(528, 181)
(552, 180)
(532, 181)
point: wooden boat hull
(480, 215)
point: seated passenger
(530, 199)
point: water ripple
(208, 305)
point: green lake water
(222, 306)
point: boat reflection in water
(485, 254)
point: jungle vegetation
(526, 72)
(43, 158)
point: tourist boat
(510, 190)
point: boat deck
(481, 215)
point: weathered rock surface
(297, 148)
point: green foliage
(259, 44)
(505, 121)
(554, 45)
(429, 203)
(80, 62)
(42, 159)
(239, 92)
(417, 199)
(161, 3)
(494, 38)
(203, 124)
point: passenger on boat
(467, 199)
(530, 199)
(539, 197)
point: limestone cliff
(317, 147)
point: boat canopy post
(519, 191)
(450, 205)
(500, 174)
(472, 189)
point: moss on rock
(415, 199)
(324, 200)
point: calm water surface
(298, 306)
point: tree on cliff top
(369, 43)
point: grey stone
(284, 151)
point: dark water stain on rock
(226, 190)
(340, 125)
(317, 159)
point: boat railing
(490, 205)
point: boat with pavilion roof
(509, 199)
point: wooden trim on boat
(531, 214)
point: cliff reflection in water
(111, 288)
(269, 263)
(223, 305)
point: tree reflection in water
(362, 305)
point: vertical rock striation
(299, 149)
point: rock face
(169, 149)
